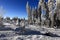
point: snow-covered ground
(30, 37)
(10, 25)
(10, 35)
(43, 29)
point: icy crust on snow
(30, 37)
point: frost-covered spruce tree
(51, 6)
(2, 11)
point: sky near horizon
(16, 8)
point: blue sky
(17, 7)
